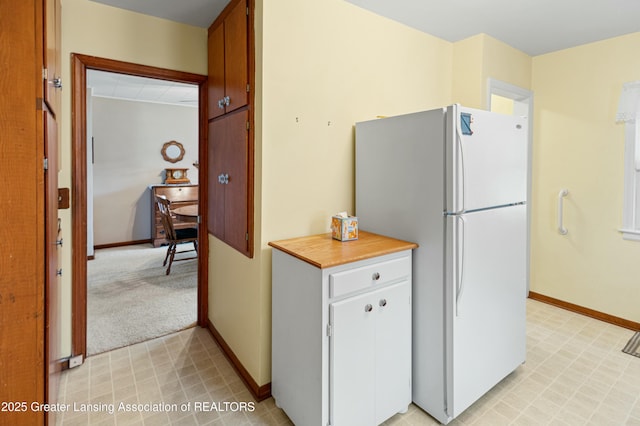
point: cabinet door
(370, 356)
(236, 214)
(228, 62)
(215, 84)
(235, 57)
(393, 350)
(228, 180)
(352, 361)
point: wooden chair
(175, 236)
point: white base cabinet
(341, 336)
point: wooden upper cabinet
(52, 67)
(228, 62)
(230, 156)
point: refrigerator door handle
(459, 262)
(459, 166)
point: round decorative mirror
(172, 151)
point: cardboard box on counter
(344, 228)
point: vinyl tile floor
(575, 374)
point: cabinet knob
(221, 103)
(368, 308)
(383, 302)
(376, 276)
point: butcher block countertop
(323, 251)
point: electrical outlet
(75, 361)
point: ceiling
(532, 26)
(535, 27)
(121, 86)
(199, 13)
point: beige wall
(503, 62)
(478, 58)
(94, 29)
(468, 87)
(578, 146)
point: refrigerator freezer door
(486, 292)
(488, 158)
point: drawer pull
(368, 308)
(376, 276)
(383, 302)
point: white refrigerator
(454, 180)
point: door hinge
(199, 219)
(246, 236)
(329, 330)
(45, 164)
(45, 74)
(248, 125)
(248, 88)
(247, 11)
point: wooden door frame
(80, 65)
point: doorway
(80, 65)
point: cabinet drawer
(178, 193)
(346, 282)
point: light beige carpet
(130, 299)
